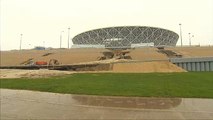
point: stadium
(117, 49)
(116, 69)
(126, 37)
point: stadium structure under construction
(126, 37)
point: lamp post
(20, 41)
(44, 44)
(190, 37)
(181, 35)
(61, 38)
(68, 37)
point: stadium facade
(126, 37)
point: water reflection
(128, 102)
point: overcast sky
(41, 21)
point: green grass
(191, 84)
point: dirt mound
(147, 67)
(64, 56)
(81, 55)
(42, 73)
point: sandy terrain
(118, 66)
(130, 67)
(147, 67)
(73, 56)
(90, 55)
(193, 51)
(13, 73)
(63, 56)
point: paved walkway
(22, 104)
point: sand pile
(147, 67)
(42, 73)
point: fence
(194, 64)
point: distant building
(49, 48)
(39, 48)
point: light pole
(44, 44)
(20, 41)
(68, 37)
(61, 38)
(181, 35)
(190, 37)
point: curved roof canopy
(125, 36)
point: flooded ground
(22, 104)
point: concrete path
(22, 104)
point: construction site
(140, 60)
(140, 49)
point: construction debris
(46, 54)
(53, 62)
(169, 53)
(117, 54)
(27, 62)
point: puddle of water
(128, 102)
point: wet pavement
(22, 104)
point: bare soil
(42, 73)
(147, 67)
(193, 51)
(91, 55)
(77, 55)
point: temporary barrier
(41, 63)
